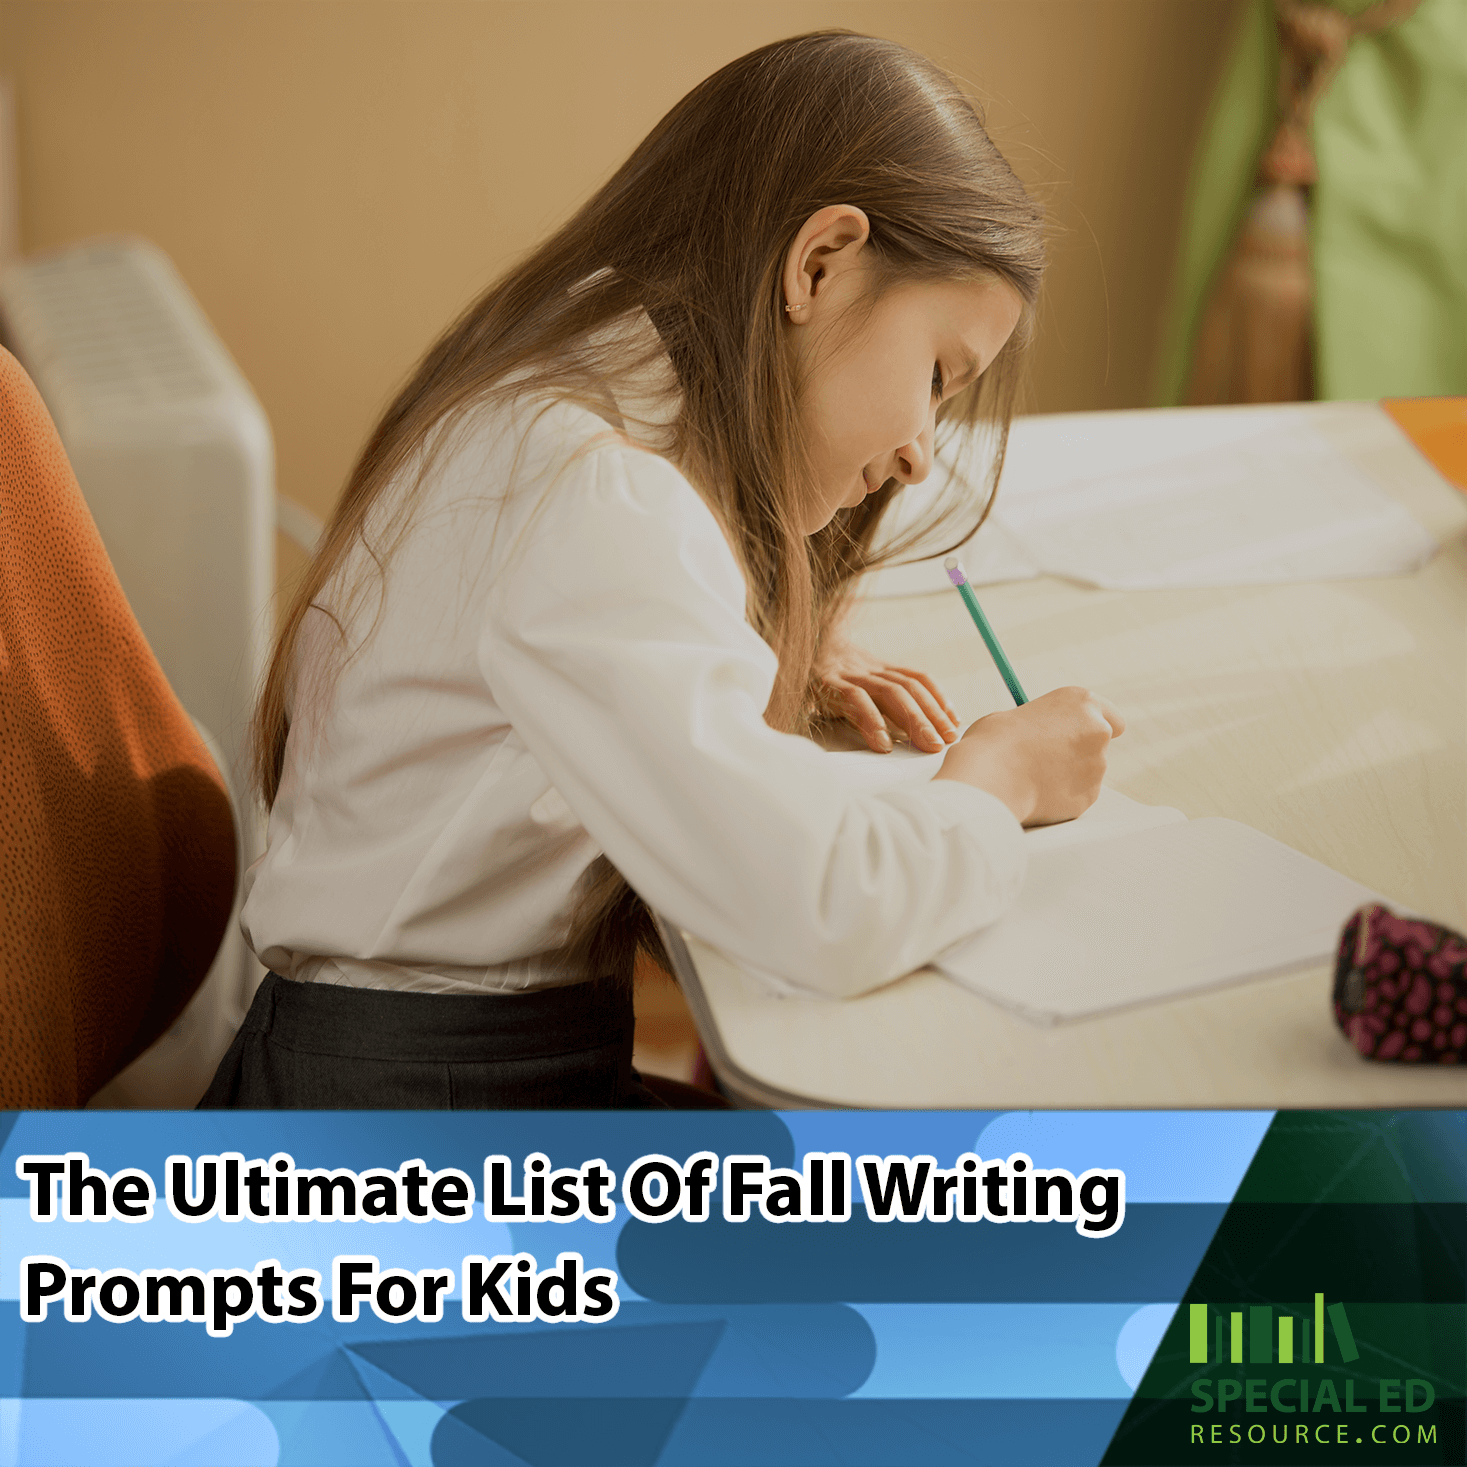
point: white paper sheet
(1112, 814)
(1282, 504)
(1184, 497)
(1153, 913)
(990, 556)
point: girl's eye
(937, 382)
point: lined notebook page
(1151, 914)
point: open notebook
(1134, 903)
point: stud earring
(800, 307)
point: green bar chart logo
(1268, 1343)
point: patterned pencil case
(1401, 988)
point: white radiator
(173, 454)
(175, 459)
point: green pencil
(959, 577)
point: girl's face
(871, 391)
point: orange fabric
(1438, 427)
(117, 857)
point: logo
(1319, 1408)
(1261, 1342)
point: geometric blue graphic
(1167, 1156)
(780, 1433)
(156, 1433)
(1138, 1339)
(1151, 1258)
(997, 1351)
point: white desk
(1332, 716)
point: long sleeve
(615, 642)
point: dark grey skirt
(320, 1046)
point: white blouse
(556, 665)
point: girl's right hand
(1045, 760)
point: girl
(581, 599)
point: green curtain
(1389, 212)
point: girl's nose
(914, 459)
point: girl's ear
(828, 246)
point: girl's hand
(868, 692)
(1044, 760)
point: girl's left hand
(868, 692)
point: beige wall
(335, 180)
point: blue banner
(427, 1289)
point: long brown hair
(693, 229)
